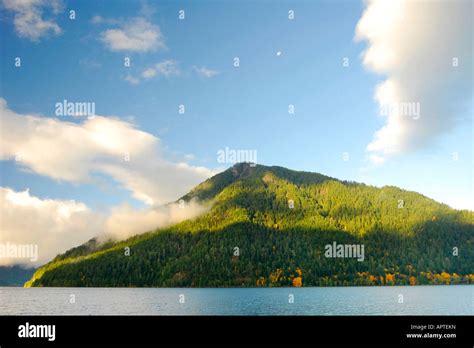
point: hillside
(254, 236)
(14, 275)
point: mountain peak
(245, 170)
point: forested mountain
(15, 275)
(269, 226)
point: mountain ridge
(299, 213)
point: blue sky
(282, 62)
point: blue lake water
(417, 300)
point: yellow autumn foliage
(297, 282)
(389, 278)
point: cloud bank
(55, 226)
(126, 221)
(78, 152)
(424, 48)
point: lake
(417, 300)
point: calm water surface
(417, 300)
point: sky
(378, 92)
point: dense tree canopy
(268, 226)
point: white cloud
(126, 221)
(166, 68)
(53, 225)
(414, 43)
(205, 72)
(138, 35)
(376, 159)
(97, 19)
(148, 73)
(76, 152)
(103, 20)
(131, 79)
(28, 17)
